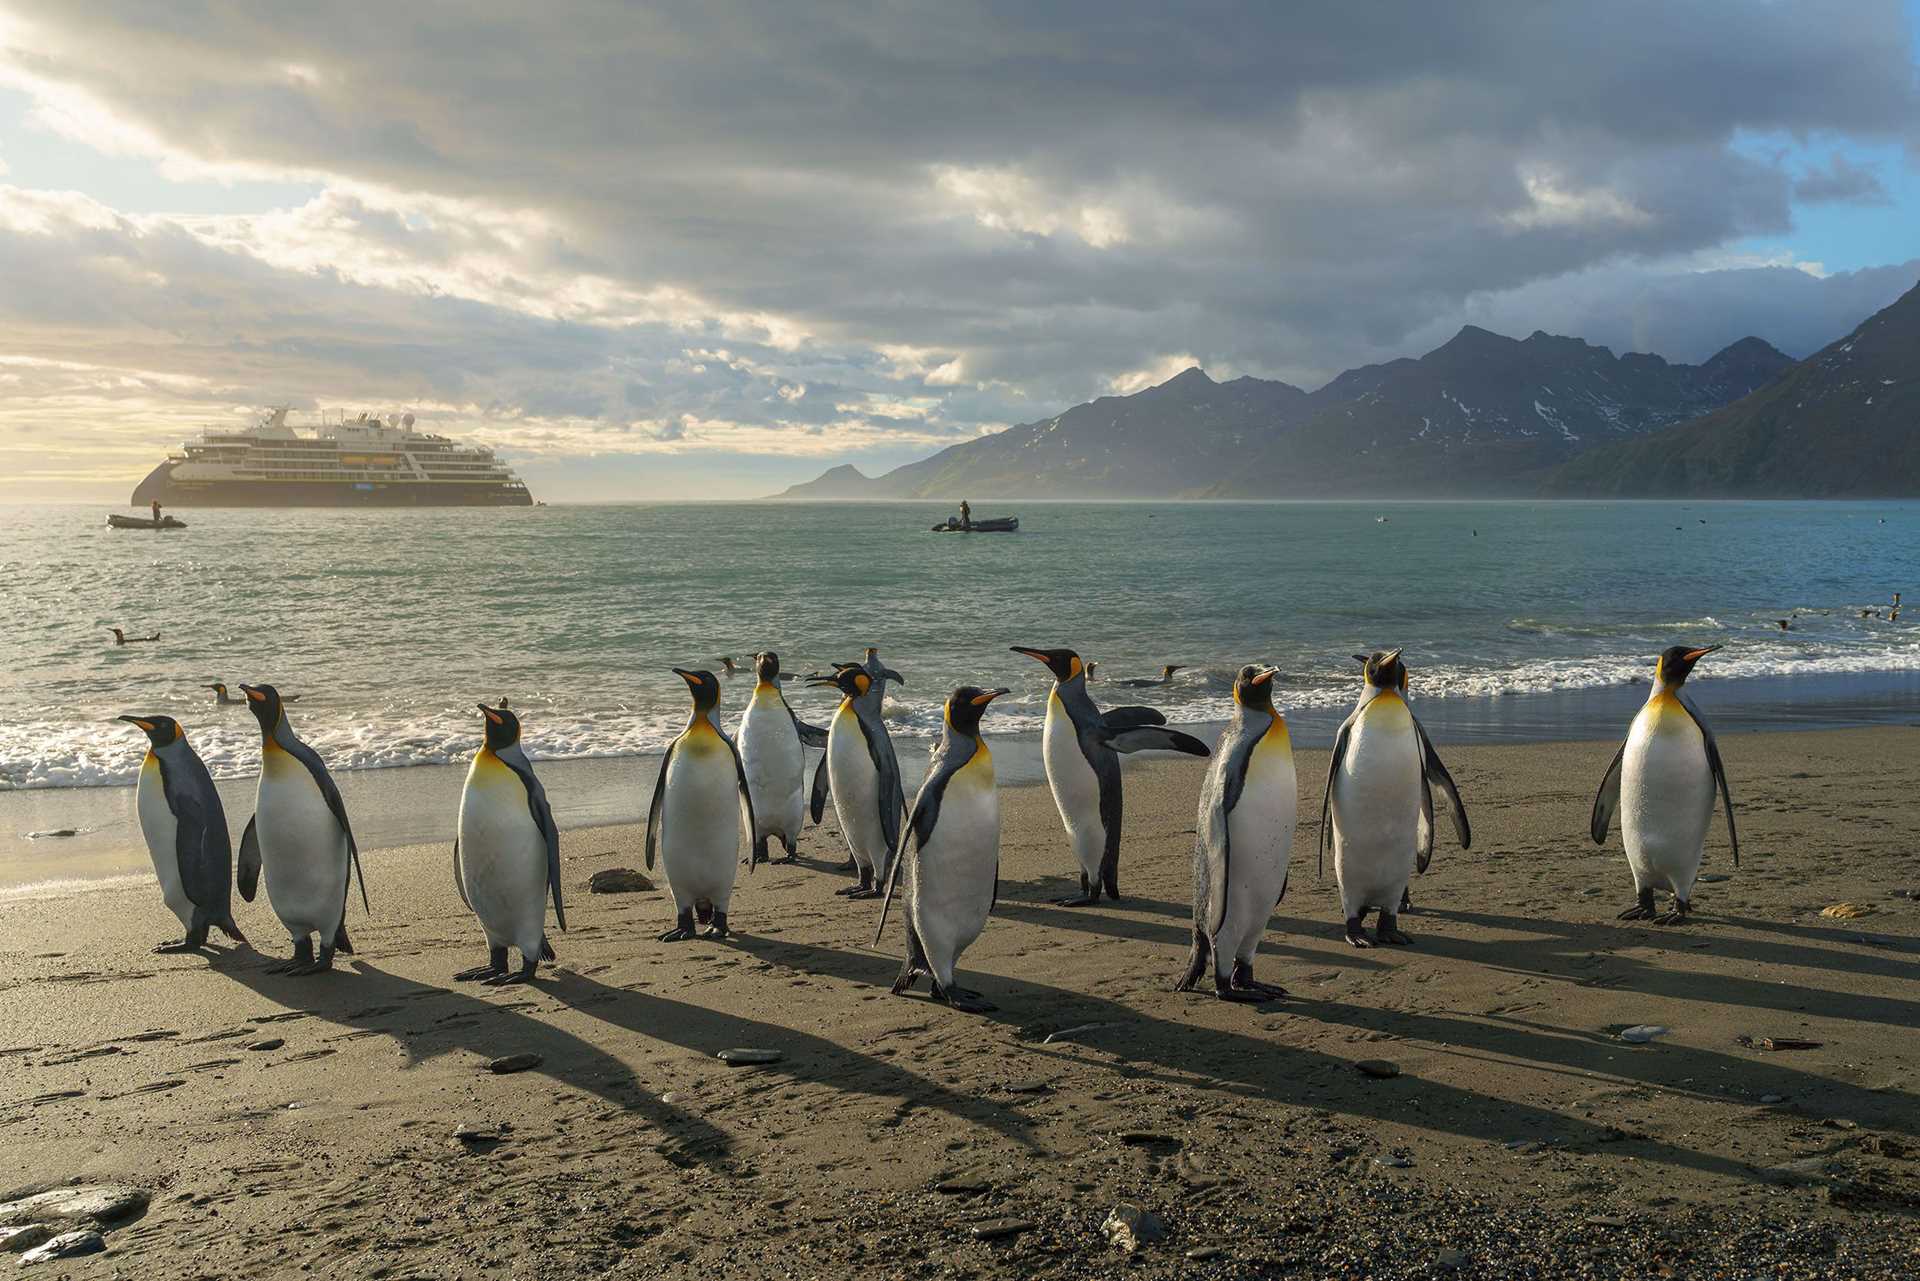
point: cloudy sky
(710, 249)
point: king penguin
(1080, 745)
(186, 830)
(864, 776)
(1244, 836)
(506, 857)
(950, 853)
(300, 836)
(1662, 781)
(1378, 806)
(699, 803)
(773, 743)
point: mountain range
(1481, 415)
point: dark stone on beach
(749, 1058)
(1881, 1145)
(96, 1202)
(1450, 1259)
(271, 1043)
(479, 1138)
(1000, 1229)
(962, 1185)
(1380, 1069)
(1713, 878)
(1806, 1170)
(1394, 1161)
(618, 880)
(1071, 1033)
(68, 1245)
(1608, 1221)
(1128, 1227)
(1201, 1253)
(1026, 1087)
(514, 1063)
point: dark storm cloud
(1000, 205)
(1842, 181)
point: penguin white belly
(856, 792)
(1376, 808)
(503, 857)
(159, 826)
(700, 822)
(1666, 798)
(955, 871)
(1075, 788)
(303, 852)
(775, 763)
(1260, 834)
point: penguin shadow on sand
(429, 1022)
(1581, 953)
(1103, 922)
(806, 1058)
(1148, 1047)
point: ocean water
(390, 625)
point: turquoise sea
(1518, 619)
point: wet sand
(1521, 1136)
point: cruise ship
(336, 462)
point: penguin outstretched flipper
(1154, 738)
(1606, 802)
(1116, 719)
(1434, 773)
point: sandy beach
(286, 1126)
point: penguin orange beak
(253, 694)
(691, 678)
(1393, 655)
(135, 720)
(982, 699)
(492, 716)
(1035, 654)
(1695, 655)
(1265, 676)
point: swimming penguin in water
(1165, 678)
(1662, 781)
(121, 638)
(1378, 808)
(950, 855)
(1081, 746)
(225, 699)
(699, 803)
(1243, 839)
(728, 668)
(186, 830)
(773, 743)
(300, 836)
(506, 857)
(864, 777)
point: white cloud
(1151, 375)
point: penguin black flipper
(1339, 753)
(1219, 834)
(1153, 738)
(247, 876)
(1719, 771)
(543, 819)
(1607, 800)
(1434, 772)
(324, 781)
(458, 882)
(886, 767)
(817, 800)
(653, 808)
(202, 849)
(1116, 719)
(810, 735)
(1106, 771)
(758, 854)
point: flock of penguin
(1376, 814)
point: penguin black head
(1253, 687)
(1677, 660)
(849, 678)
(264, 702)
(1063, 663)
(704, 686)
(218, 688)
(965, 706)
(160, 730)
(766, 666)
(503, 727)
(1384, 670)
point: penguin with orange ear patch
(186, 830)
(699, 803)
(506, 858)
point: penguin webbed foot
(965, 1000)
(319, 965)
(1357, 932)
(1243, 981)
(496, 964)
(300, 961)
(1641, 910)
(683, 929)
(1224, 990)
(1675, 915)
(514, 978)
(184, 945)
(1387, 931)
(717, 930)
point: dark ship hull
(162, 487)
